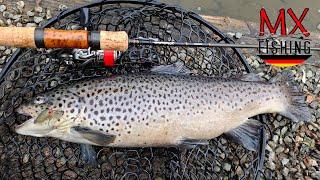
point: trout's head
(46, 119)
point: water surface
(249, 9)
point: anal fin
(89, 154)
(247, 134)
(192, 143)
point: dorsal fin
(251, 77)
(177, 68)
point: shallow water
(249, 10)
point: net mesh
(35, 71)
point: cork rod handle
(17, 37)
(51, 38)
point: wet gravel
(293, 149)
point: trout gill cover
(154, 110)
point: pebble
(31, 25)
(285, 171)
(275, 138)
(6, 14)
(285, 161)
(227, 166)
(311, 162)
(25, 158)
(314, 104)
(38, 19)
(7, 52)
(287, 140)
(279, 149)
(284, 130)
(62, 7)
(309, 74)
(30, 13)
(20, 6)
(16, 18)
(2, 23)
(2, 8)
(38, 9)
(9, 22)
(69, 175)
(238, 35)
(48, 14)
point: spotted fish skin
(152, 110)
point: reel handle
(30, 37)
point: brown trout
(156, 110)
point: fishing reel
(107, 58)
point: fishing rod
(25, 37)
(108, 44)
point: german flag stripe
(287, 61)
(284, 60)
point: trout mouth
(29, 111)
(30, 128)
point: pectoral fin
(247, 134)
(96, 137)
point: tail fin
(297, 110)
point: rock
(62, 7)
(38, 9)
(285, 161)
(310, 98)
(279, 149)
(20, 6)
(2, 23)
(285, 172)
(2, 48)
(287, 140)
(284, 130)
(9, 22)
(25, 158)
(30, 13)
(38, 19)
(238, 35)
(2, 8)
(2, 61)
(7, 52)
(275, 138)
(309, 74)
(19, 24)
(6, 14)
(314, 105)
(69, 175)
(16, 18)
(311, 162)
(48, 14)
(31, 25)
(316, 175)
(227, 166)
